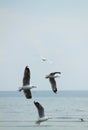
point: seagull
(26, 84)
(44, 59)
(52, 77)
(41, 113)
(81, 119)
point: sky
(54, 29)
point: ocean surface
(66, 108)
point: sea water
(66, 110)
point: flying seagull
(52, 77)
(81, 119)
(26, 84)
(43, 59)
(46, 60)
(41, 113)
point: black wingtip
(28, 97)
(35, 102)
(27, 67)
(28, 94)
(55, 91)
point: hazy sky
(54, 29)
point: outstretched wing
(26, 81)
(26, 78)
(40, 109)
(53, 73)
(53, 84)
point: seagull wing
(53, 84)
(53, 73)
(26, 81)
(40, 109)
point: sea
(68, 110)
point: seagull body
(43, 59)
(26, 84)
(26, 87)
(52, 77)
(41, 113)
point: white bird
(52, 77)
(26, 84)
(44, 59)
(41, 113)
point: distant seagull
(44, 59)
(41, 113)
(26, 83)
(81, 119)
(52, 77)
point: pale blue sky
(54, 29)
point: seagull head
(34, 87)
(47, 76)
